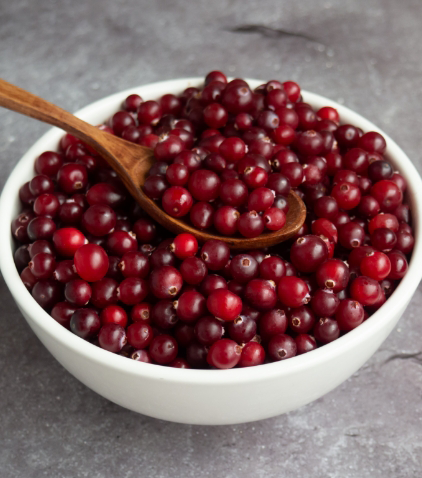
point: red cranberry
(163, 349)
(224, 354)
(113, 314)
(324, 303)
(333, 274)
(177, 201)
(224, 304)
(365, 290)
(42, 265)
(133, 290)
(91, 262)
(349, 314)
(68, 240)
(293, 291)
(85, 323)
(281, 347)
(191, 305)
(184, 245)
(78, 292)
(141, 312)
(62, 313)
(261, 294)
(139, 335)
(308, 253)
(301, 320)
(165, 282)
(398, 263)
(305, 343)
(326, 330)
(121, 242)
(112, 337)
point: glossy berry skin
(120, 242)
(208, 330)
(333, 274)
(233, 192)
(62, 313)
(305, 343)
(78, 292)
(204, 185)
(225, 220)
(242, 329)
(184, 245)
(347, 195)
(388, 195)
(112, 337)
(46, 292)
(91, 262)
(163, 349)
(308, 253)
(72, 177)
(293, 291)
(85, 323)
(281, 347)
(326, 330)
(349, 314)
(42, 265)
(114, 314)
(261, 294)
(365, 290)
(274, 218)
(139, 335)
(224, 305)
(193, 270)
(177, 201)
(215, 254)
(165, 282)
(375, 265)
(272, 268)
(68, 240)
(224, 354)
(134, 264)
(252, 354)
(191, 305)
(250, 224)
(324, 303)
(398, 263)
(243, 268)
(99, 219)
(301, 320)
(132, 290)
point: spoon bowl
(132, 163)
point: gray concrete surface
(364, 53)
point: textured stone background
(363, 53)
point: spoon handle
(21, 101)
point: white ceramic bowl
(210, 397)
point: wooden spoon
(132, 163)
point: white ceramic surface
(208, 396)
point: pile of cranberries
(103, 269)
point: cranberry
(333, 274)
(305, 343)
(113, 314)
(293, 291)
(184, 245)
(224, 304)
(250, 224)
(141, 356)
(326, 330)
(41, 227)
(301, 320)
(365, 290)
(252, 354)
(382, 220)
(243, 268)
(261, 294)
(91, 262)
(398, 263)
(68, 240)
(351, 235)
(141, 312)
(281, 347)
(48, 163)
(72, 177)
(372, 142)
(78, 292)
(177, 201)
(211, 283)
(132, 290)
(375, 265)
(308, 253)
(193, 270)
(224, 354)
(85, 323)
(62, 313)
(215, 254)
(165, 282)
(163, 349)
(191, 305)
(42, 265)
(388, 195)
(121, 242)
(112, 337)
(139, 335)
(201, 215)
(324, 303)
(349, 314)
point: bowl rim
(380, 319)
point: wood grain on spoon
(132, 163)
